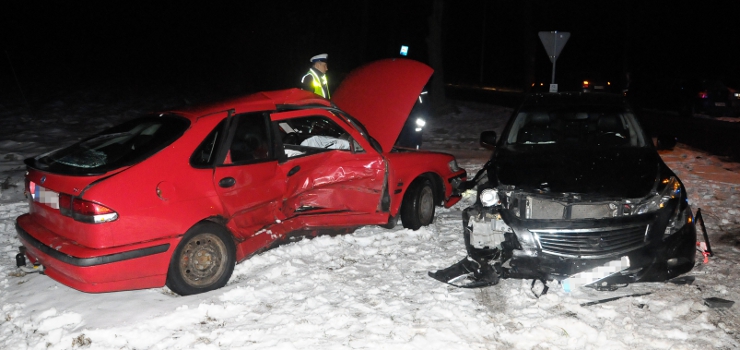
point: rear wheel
(417, 209)
(203, 261)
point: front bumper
(96, 270)
(652, 257)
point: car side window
(313, 134)
(250, 141)
(205, 155)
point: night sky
(226, 48)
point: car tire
(203, 261)
(418, 206)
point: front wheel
(203, 261)
(417, 209)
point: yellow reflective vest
(319, 84)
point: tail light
(84, 210)
(703, 94)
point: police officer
(315, 79)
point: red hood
(381, 95)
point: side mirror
(488, 139)
(665, 142)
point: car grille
(591, 243)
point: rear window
(122, 145)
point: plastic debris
(718, 303)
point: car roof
(260, 101)
(568, 99)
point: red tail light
(80, 206)
(84, 210)
(65, 201)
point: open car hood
(381, 95)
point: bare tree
(434, 46)
(530, 45)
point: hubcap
(426, 205)
(202, 260)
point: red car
(179, 197)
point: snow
(368, 289)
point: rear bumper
(96, 270)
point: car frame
(574, 192)
(225, 181)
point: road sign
(553, 42)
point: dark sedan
(575, 192)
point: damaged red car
(177, 198)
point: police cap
(319, 58)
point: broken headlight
(679, 218)
(671, 190)
(453, 166)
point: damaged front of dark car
(575, 192)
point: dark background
(224, 48)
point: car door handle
(227, 182)
(294, 170)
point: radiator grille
(591, 243)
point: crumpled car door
(249, 180)
(329, 168)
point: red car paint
(260, 202)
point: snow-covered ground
(368, 289)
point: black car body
(575, 188)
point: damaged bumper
(559, 249)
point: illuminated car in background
(576, 192)
(596, 86)
(686, 97)
(179, 197)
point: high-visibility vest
(320, 85)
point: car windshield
(577, 126)
(122, 145)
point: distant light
(585, 83)
(420, 122)
(608, 83)
(404, 50)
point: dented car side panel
(405, 170)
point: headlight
(420, 122)
(671, 190)
(489, 197)
(453, 166)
